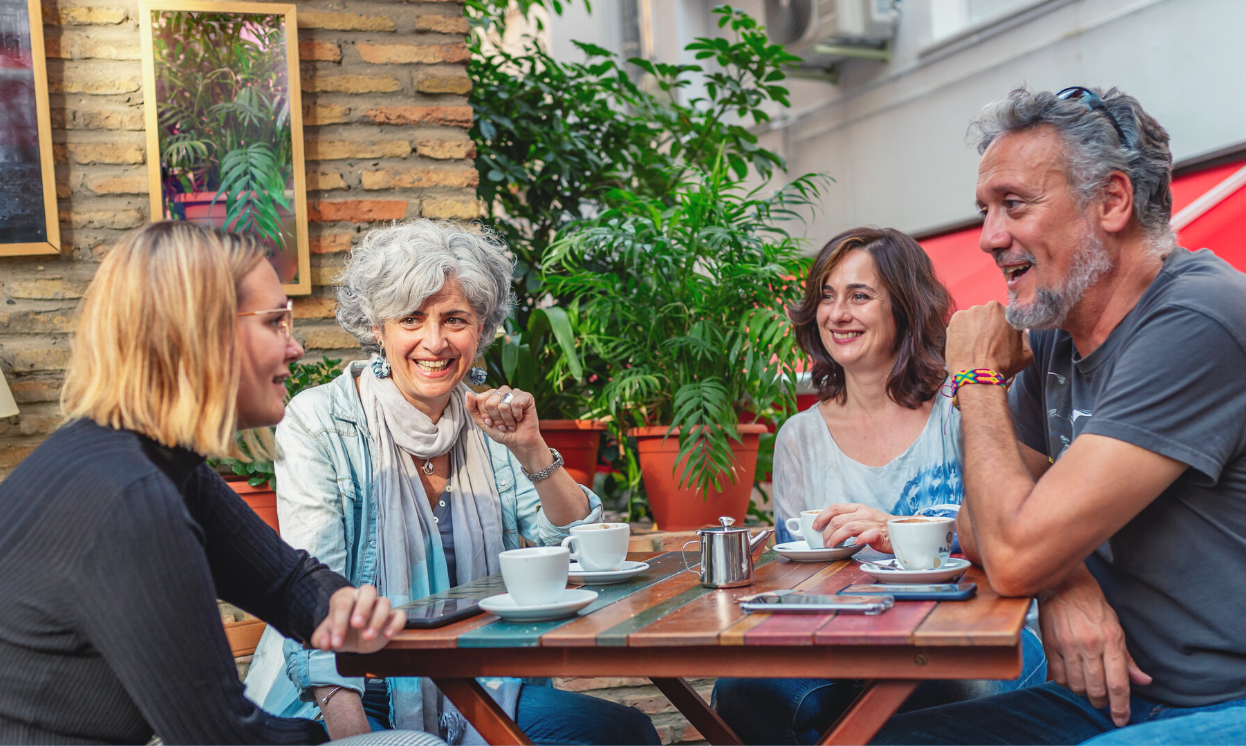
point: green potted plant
(685, 303)
(252, 475)
(226, 151)
(683, 278)
(561, 142)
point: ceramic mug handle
(793, 526)
(569, 544)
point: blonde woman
(116, 538)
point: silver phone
(797, 602)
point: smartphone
(934, 592)
(443, 611)
(795, 602)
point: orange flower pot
(577, 441)
(261, 499)
(684, 509)
(199, 209)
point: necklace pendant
(428, 466)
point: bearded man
(1110, 480)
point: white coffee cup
(803, 526)
(536, 575)
(921, 543)
(599, 547)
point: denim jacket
(324, 468)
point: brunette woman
(882, 442)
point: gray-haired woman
(396, 474)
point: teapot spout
(758, 540)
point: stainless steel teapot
(726, 554)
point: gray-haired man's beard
(1051, 306)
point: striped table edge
(666, 606)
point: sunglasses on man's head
(1091, 100)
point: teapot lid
(725, 528)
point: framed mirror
(224, 123)
(28, 219)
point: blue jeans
(1051, 714)
(799, 711)
(1215, 728)
(552, 716)
(549, 716)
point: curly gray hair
(395, 269)
(1093, 149)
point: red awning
(1218, 223)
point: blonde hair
(155, 351)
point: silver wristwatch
(548, 471)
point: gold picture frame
(175, 193)
(51, 239)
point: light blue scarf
(410, 560)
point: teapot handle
(683, 553)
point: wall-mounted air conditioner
(827, 31)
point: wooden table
(665, 626)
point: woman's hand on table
(843, 521)
(359, 621)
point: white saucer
(799, 551)
(626, 571)
(572, 601)
(889, 571)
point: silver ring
(507, 399)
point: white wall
(892, 134)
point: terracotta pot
(261, 499)
(676, 509)
(199, 209)
(577, 441)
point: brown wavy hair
(920, 304)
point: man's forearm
(997, 481)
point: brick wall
(385, 124)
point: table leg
(871, 710)
(698, 712)
(485, 715)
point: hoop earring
(477, 375)
(380, 366)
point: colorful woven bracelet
(977, 375)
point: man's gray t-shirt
(1171, 378)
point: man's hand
(1085, 644)
(980, 337)
(358, 622)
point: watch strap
(548, 471)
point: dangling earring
(380, 366)
(476, 376)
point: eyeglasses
(1091, 101)
(286, 321)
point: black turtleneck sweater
(113, 551)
